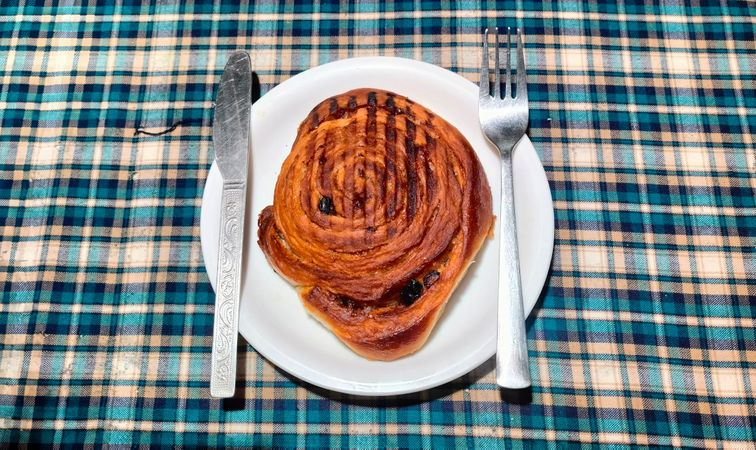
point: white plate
(272, 318)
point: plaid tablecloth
(642, 113)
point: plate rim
(287, 363)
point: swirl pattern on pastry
(377, 213)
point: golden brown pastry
(378, 211)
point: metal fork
(504, 121)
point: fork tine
(484, 67)
(522, 86)
(497, 67)
(508, 85)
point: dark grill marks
(390, 166)
(373, 183)
(387, 184)
(326, 164)
(411, 171)
(370, 142)
(430, 181)
(390, 105)
(371, 121)
(336, 111)
(344, 198)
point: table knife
(231, 139)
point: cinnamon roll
(378, 211)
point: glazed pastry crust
(377, 192)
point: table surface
(643, 116)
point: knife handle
(227, 290)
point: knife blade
(231, 142)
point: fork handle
(512, 368)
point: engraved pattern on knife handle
(225, 327)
